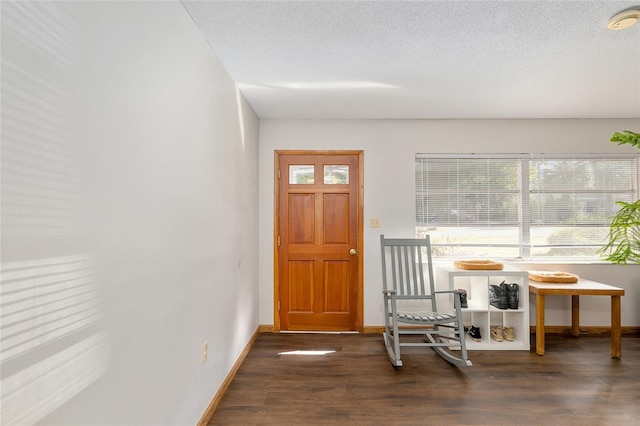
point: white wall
(389, 151)
(129, 215)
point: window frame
(524, 191)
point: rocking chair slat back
(408, 258)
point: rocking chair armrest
(388, 292)
(456, 294)
(446, 291)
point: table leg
(616, 332)
(575, 315)
(540, 324)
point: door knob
(353, 252)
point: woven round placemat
(478, 264)
(553, 277)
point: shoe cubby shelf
(480, 312)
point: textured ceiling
(429, 59)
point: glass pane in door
(336, 174)
(301, 175)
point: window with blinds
(529, 206)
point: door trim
(360, 228)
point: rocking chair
(408, 300)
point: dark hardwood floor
(575, 383)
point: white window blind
(520, 206)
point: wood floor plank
(576, 382)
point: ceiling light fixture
(624, 20)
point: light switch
(374, 222)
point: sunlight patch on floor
(299, 352)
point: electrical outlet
(205, 352)
(374, 222)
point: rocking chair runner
(408, 300)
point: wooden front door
(318, 240)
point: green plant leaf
(626, 137)
(623, 244)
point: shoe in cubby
(508, 334)
(497, 333)
(498, 296)
(463, 298)
(512, 295)
(474, 333)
